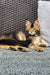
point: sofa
(13, 14)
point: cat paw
(42, 44)
(25, 49)
(40, 50)
(13, 49)
(45, 45)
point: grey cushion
(44, 18)
(13, 14)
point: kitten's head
(32, 28)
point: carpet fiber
(25, 63)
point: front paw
(13, 49)
(45, 45)
(40, 50)
(42, 44)
(25, 49)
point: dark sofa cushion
(13, 14)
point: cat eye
(34, 29)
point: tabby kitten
(21, 41)
(33, 30)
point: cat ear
(37, 25)
(28, 23)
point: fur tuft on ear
(28, 23)
(37, 25)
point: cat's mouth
(31, 33)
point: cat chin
(32, 34)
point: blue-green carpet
(25, 63)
